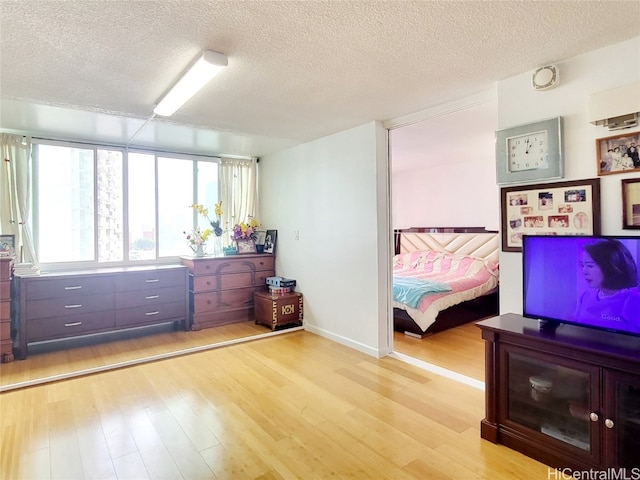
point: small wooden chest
(276, 309)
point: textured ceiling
(298, 70)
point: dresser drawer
(223, 300)
(63, 286)
(5, 310)
(68, 326)
(5, 330)
(232, 280)
(215, 319)
(5, 268)
(5, 290)
(220, 282)
(233, 264)
(151, 279)
(128, 317)
(69, 305)
(136, 298)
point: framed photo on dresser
(270, 241)
(7, 245)
(246, 245)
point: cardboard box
(281, 282)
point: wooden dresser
(221, 288)
(61, 305)
(6, 345)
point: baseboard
(345, 341)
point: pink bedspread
(469, 277)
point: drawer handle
(207, 267)
(151, 297)
(75, 287)
(152, 280)
(77, 305)
(148, 314)
(74, 324)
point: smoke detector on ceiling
(545, 77)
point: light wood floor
(294, 406)
(54, 358)
(459, 349)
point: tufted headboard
(476, 242)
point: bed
(444, 277)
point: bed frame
(474, 241)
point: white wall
(456, 195)
(596, 71)
(443, 167)
(334, 192)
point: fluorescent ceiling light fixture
(203, 70)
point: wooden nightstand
(274, 310)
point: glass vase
(216, 246)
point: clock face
(528, 152)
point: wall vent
(617, 108)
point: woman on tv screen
(612, 299)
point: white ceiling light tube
(203, 70)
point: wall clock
(529, 152)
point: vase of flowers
(216, 227)
(245, 230)
(197, 241)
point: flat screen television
(582, 280)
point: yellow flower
(200, 209)
(217, 228)
(245, 229)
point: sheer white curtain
(238, 191)
(15, 206)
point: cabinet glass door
(622, 422)
(552, 398)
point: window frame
(125, 151)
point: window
(99, 205)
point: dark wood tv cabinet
(569, 397)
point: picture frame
(261, 236)
(631, 204)
(270, 241)
(530, 152)
(7, 245)
(559, 208)
(246, 246)
(618, 154)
